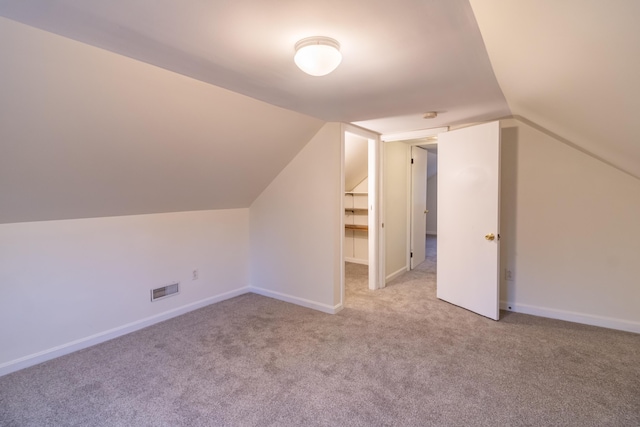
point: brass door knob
(490, 237)
(426, 211)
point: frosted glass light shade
(317, 56)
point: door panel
(468, 210)
(418, 205)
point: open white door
(418, 205)
(468, 218)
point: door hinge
(411, 255)
(411, 161)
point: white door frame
(417, 247)
(375, 215)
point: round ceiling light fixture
(317, 56)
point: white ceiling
(400, 58)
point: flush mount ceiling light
(318, 56)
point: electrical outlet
(508, 275)
(195, 275)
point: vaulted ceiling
(213, 89)
(401, 58)
(571, 67)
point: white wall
(432, 204)
(295, 227)
(570, 232)
(69, 284)
(396, 204)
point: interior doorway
(361, 222)
(424, 202)
(470, 176)
(409, 162)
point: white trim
(397, 274)
(61, 350)
(356, 260)
(414, 134)
(341, 213)
(572, 316)
(409, 202)
(297, 300)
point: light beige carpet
(394, 357)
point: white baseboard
(61, 350)
(297, 301)
(570, 316)
(357, 260)
(393, 275)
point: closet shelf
(356, 227)
(356, 210)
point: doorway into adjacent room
(361, 193)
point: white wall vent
(165, 291)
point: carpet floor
(392, 357)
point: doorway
(424, 202)
(407, 166)
(361, 218)
(470, 177)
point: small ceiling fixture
(318, 56)
(430, 115)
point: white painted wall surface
(570, 232)
(296, 227)
(69, 284)
(396, 207)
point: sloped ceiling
(142, 106)
(571, 67)
(400, 58)
(87, 133)
(157, 105)
(356, 160)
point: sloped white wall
(571, 67)
(356, 163)
(69, 284)
(295, 227)
(570, 232)
(88, 133)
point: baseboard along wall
(395, 274)
(357, 260)
(570, 316)
(61, 350)
(325, 308)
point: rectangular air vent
(165, 291)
